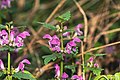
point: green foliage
(2, 26)
(96, 71)
(64, 17)
(6, 48)
(116, 76)
(48, 25)
(52, 57)
(1, 73)
(71, 67)
(101, 77)
(24, 75)
(99, 55)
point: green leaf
(2, 26)
(97, 55)
(64, 17)
(1, 73)
(24, 75)
(96, 71)
(48, 25)
(71, 67)
(117, 76)
(5, 48)
(111, 77)
(101, 77)
(68, 30)
(48, 58)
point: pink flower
(76, 77)
(21, 65)
(3, 37)
(19, 39)
(96, 65)
(91, 59)
(66, 33)
(54, 42)
(64, 75)
(77, 29)
(1, 65)
(5, 4)
(57, 70)
(71, 46)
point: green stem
(90, 76)
(8, 62)
(62, 47)
(83, 60)
(61, 68)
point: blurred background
(103, 28)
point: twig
(93, 49)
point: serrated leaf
(64, 17)
(23, 75)
(117, 76)
(48, 25)
(48, 58)
(71, 67)
(97, 55)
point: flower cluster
(5, 4)
(56, 45)
(12, 39)
(57, 73)
(54, 42)
(91, 63)
(20, 66)
(65, 75)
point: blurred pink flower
(91, 59)
(21, 65)
(57, 70)
(64, 75)
(5, 4)
(3, 37)
(1, 65)
(76, 77)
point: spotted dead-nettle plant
(11, 40)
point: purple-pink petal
(64, 75)
(22, 65)
(24, 34)
(75, 77)
(76, 39)
(5, 4)
(57, 70)
(77, 29)
(47, 36)
(91, 59)
(26, 61)
(1, 65)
